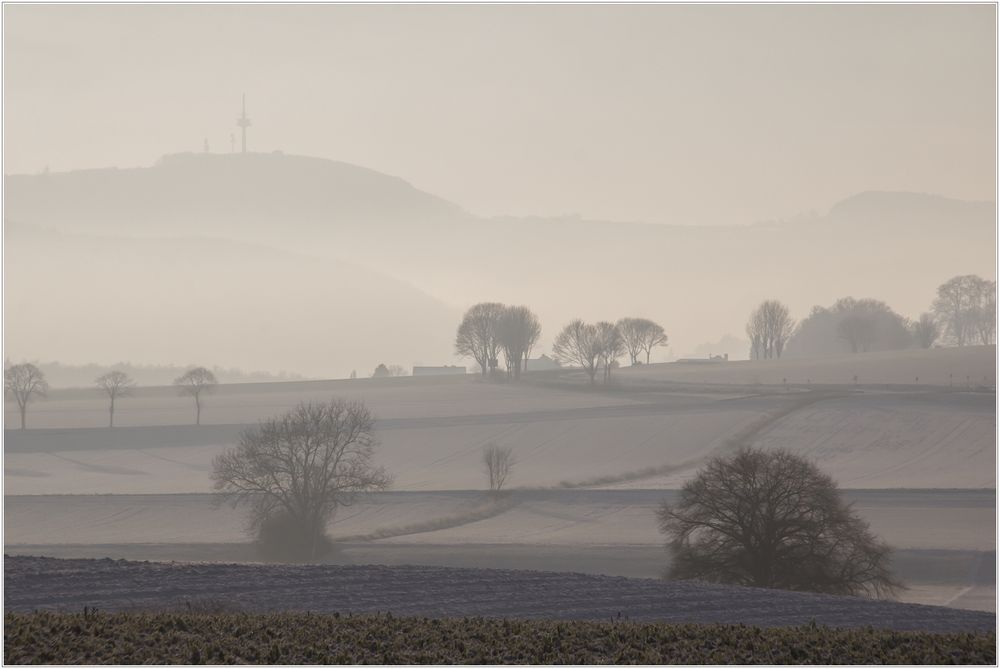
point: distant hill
(700, 282)
(909, 210)
(232, 194)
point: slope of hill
(909, 212)
(232, 194)
(693, 280)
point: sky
(697, 115)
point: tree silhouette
(772, 519)
(579, 344)
(196, 382)
(114, 384)
(24, 382)
(293, 472)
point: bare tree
(114, 384)
(771, 519)
(579, 344)
(966, 307)
(653, 336)
(195, 383)
(477, 335)
(293, 472)
(499, 460)
(641, 334)
(611, 346)
(769, 328)
(756, 333)
(534, 333)
(925, 330)
(631, 330)
(24, 382)
(517, 331)
(986, 312)
(397, 370)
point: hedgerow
(303, 638)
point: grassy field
(238, 638)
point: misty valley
(496, 334)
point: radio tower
(243, 122)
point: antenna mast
(243, 122)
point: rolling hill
(897, 247)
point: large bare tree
(769, 328)
(114, 384)
(772, 519)
(195, 383)
(477, 335)
(517, 331)
(293, 472)
(498, 460)
(24, 382)
(579, 344)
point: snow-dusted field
(40, 583)
(919, 461)
(402, 397)
(865, 439)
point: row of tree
(595, 347)
(25, 382)
(489, 329)
(963, 313)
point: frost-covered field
(866, 439)
(918, 460)
(69, 585)
(944, 539)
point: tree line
(25, 382)
(489, 329)
(963, 313)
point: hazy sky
(685, 114)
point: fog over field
(488, 294)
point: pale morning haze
(499, 333)
(680, 114)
